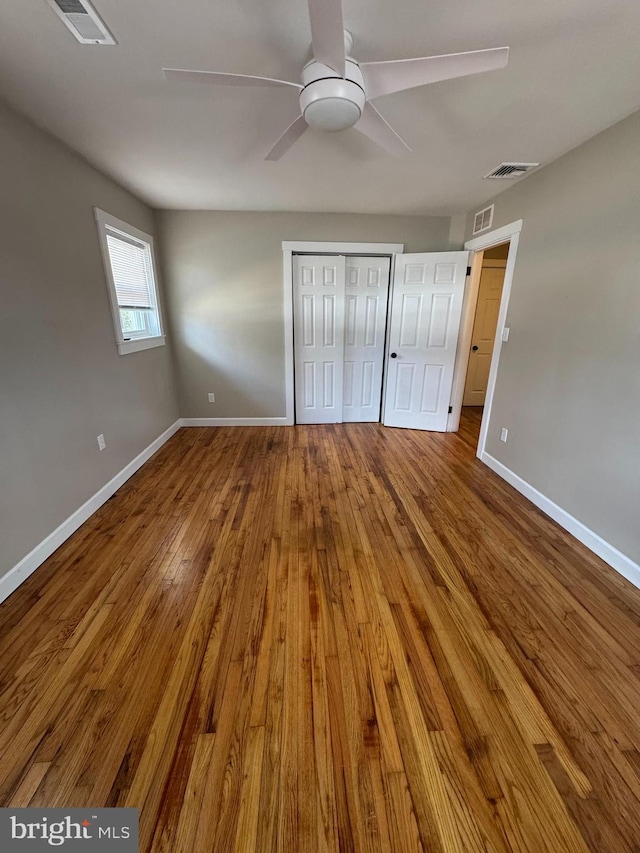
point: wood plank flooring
(327, 638)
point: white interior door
(484, 333)
(318, 295)
(423, 336)
(366, 294)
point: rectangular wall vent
(83, 21)
(511, 170)
(483, 219)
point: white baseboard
(218, 422)
(616, 559)
(20, 572)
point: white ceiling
(574, 70)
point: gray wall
(224, 283)
(62, 381)
(568, 387)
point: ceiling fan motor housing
(330, 102)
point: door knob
(474, 348)
(394, 355)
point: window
(130, 269)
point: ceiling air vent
(511, 170)
(83, 21)
(483, 219)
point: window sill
(140, 344)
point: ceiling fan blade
(291, 135)
(373, 125)
(327, 33)
(221, 79)
(383, 78)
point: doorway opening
(483, 331)
(492, 261)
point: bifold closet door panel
(318, 304)
(366, 295)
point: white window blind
(131, 267)
(130, 270)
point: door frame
(296, 247)
(510, 233)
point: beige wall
(568, 387)
(62, 381)
(224, 283)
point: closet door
(318, 295)
(367, 289)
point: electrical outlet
(505, 333)
(504, 434)
(212, 398)
(101, 442)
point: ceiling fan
(337, 91)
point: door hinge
(450, 409)
(468, 270)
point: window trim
(105, 220)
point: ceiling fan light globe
(332, 114)
(332, 104)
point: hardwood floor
(327, 638)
